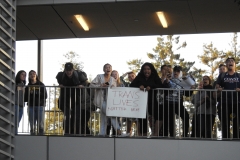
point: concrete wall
(93, 148)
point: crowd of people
(79, 97)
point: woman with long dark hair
(147, 79)
(20, 82)
(35, 96)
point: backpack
(79, 78)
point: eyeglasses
(205, 79)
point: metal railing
(173, 113)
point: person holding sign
(103, 81)
(146, 80)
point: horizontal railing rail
(171, 113)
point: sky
(95, 52)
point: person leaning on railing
(72, 99)
(102, 82)
(228, 108)
(147, 80)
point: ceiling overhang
(114, 19)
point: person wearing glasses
(205, 108)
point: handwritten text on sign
(126, 102)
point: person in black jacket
(20, 82)
(72, 91)
(35, 96)
(147, 79)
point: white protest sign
(187, 82)
(126, 102)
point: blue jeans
(36, 119)
(103, 121)
(18, 116)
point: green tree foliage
(54, 116)
(165, 53)
(135, 65)
(211, 57)
(198, 73)
(74, 58)
(233, 52)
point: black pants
(225, 112)
(202, 126)
(170, 109)
(76, 121)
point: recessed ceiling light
(82, 22)
(162, 19)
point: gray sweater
(202, 104)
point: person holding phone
(102, 82)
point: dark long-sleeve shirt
(153, 83)
(35, 94)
